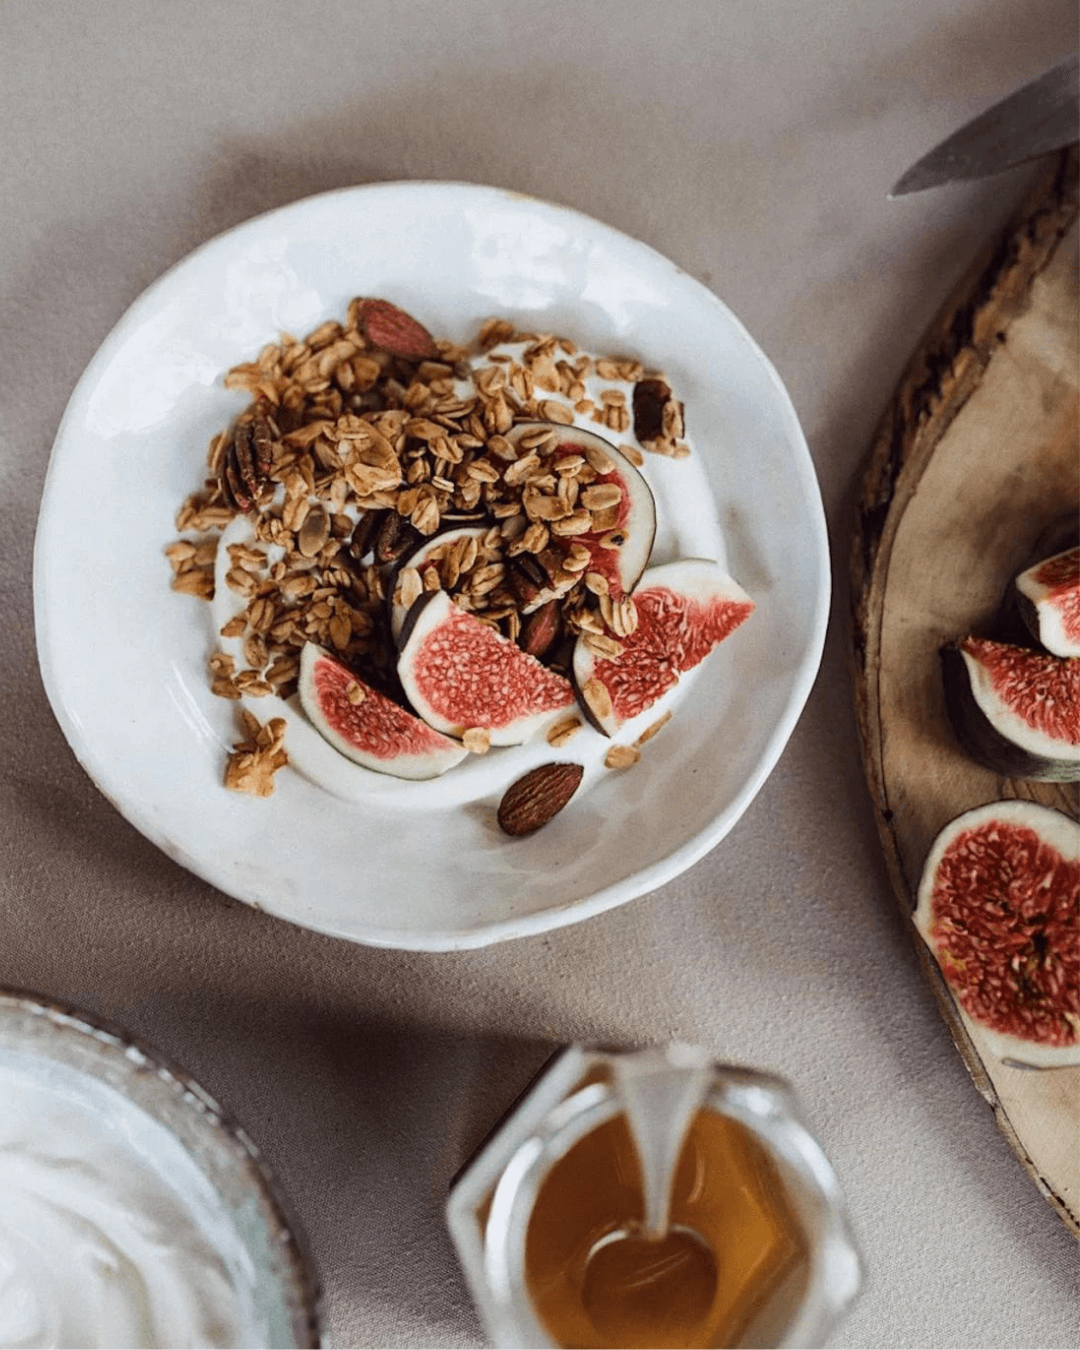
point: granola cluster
(254, 761)
(351, 455)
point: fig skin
(987, 743)
(1055, 831)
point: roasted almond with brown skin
(386, 326)
(539, 795)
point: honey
(653, 1198)
(731, 1270)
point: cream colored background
(753, 143)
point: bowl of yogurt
(132, 1212)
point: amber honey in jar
(549, 1221)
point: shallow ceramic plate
(123, 657)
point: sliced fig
(999, 908)
(459, 673)
(1015, 711)
(400, 599)
(1048, 597)
(620, 535)
(684, 609)
(366, 726)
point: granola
(352, 454)
(254, 761)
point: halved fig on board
(1015, 711)
(460, 674)
(1048, 597)
(366, 726)
(450, 549)
(999, 908)
(615, 510)
(684, 609)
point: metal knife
(1042, 116)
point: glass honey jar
(558, 1227)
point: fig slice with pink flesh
(1048, 597)
(999, 907)
(417, 559)
(1015, 711)
(366, 726)
(684, 609)
(632, 517)
(459, 673)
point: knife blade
(1042, 116)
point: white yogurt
(110, 1235)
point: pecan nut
(248, 462)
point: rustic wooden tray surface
(977, 453)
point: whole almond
(539, 795)
(390, 328)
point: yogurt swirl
(107, 1235)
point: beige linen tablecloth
(753, 143)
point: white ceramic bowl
(160, 1207)
(123, 658)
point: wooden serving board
(978, 452)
